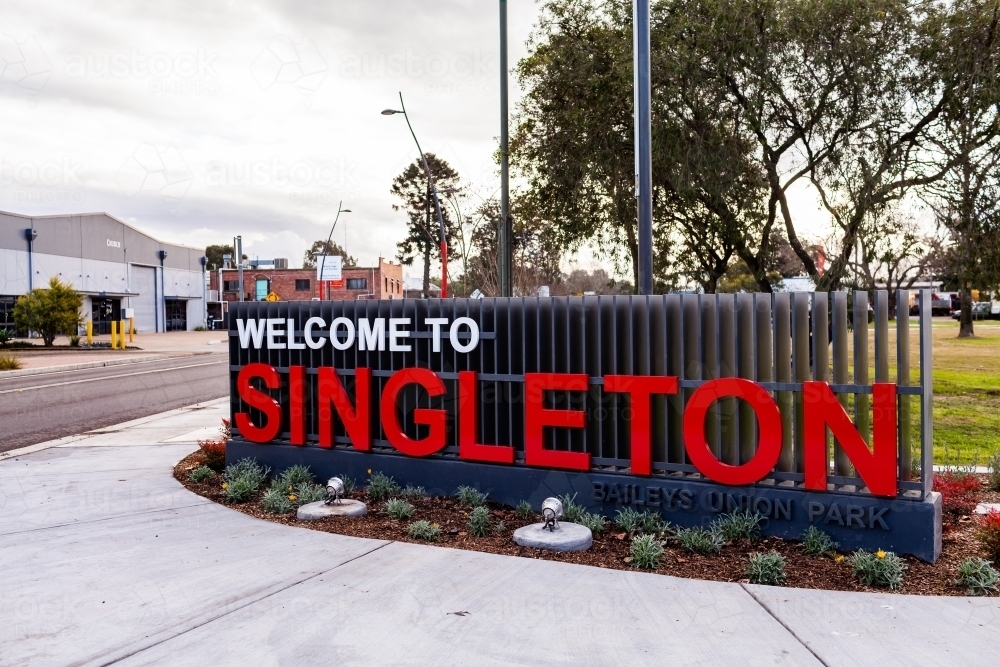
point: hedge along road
(38, 408)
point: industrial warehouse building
(111, 264)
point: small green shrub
(596, 522)
(9, 362)
(74, 341)
(295, 475)
(413, 492)
(424, 530)
(993, 463)
(6, 335)
(307, 492)
(741, 524)
(243, 479)
(382, 487)
(633, 522)
(977, 576)
(480, 522)
(882, 568)
(398, 509)
(767, 569)
(470, 497)
(571, 510)
(699, 540)
(645, 552)
(200, 327)
(200, 474)
(523, 510)
(277, 500)
(815, 542)
(628, 520)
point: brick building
(384, 281)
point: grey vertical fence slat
(675, 366)
(820, 353)
(801, 367)
(745, 333)
(710, 365)
(861, 401)
(726, 310)
(903, 380)
(764, 350)
(926, 395)
(783, 367)
(881, 336)
(841, 375)
(691, 332)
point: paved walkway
(106, 559)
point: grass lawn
(966, 392)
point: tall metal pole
(504, 260)
(643, 144)
(239, 262)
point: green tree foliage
(214, 253)
(966, 200)
(50, 311)
(865, 102)
(423, 234)
(322, 247)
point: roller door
(143, 281)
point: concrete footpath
(106, 559)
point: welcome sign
(691, 405)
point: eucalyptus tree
(573, 134)
(422, 233)
(967, 199)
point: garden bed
(611, 548)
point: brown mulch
(611, 548)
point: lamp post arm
(322, 262)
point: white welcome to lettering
(343, 334)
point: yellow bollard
(131, 329)
(113, 330)
(90, 333)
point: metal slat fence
(778, 341)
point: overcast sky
(197, 120)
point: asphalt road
(37, 408)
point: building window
(302, 285)
(357, 283)
(231, 286)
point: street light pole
(326, 248)
(442, 238)
(643, 144)
(504, 261)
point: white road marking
(109, 377)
